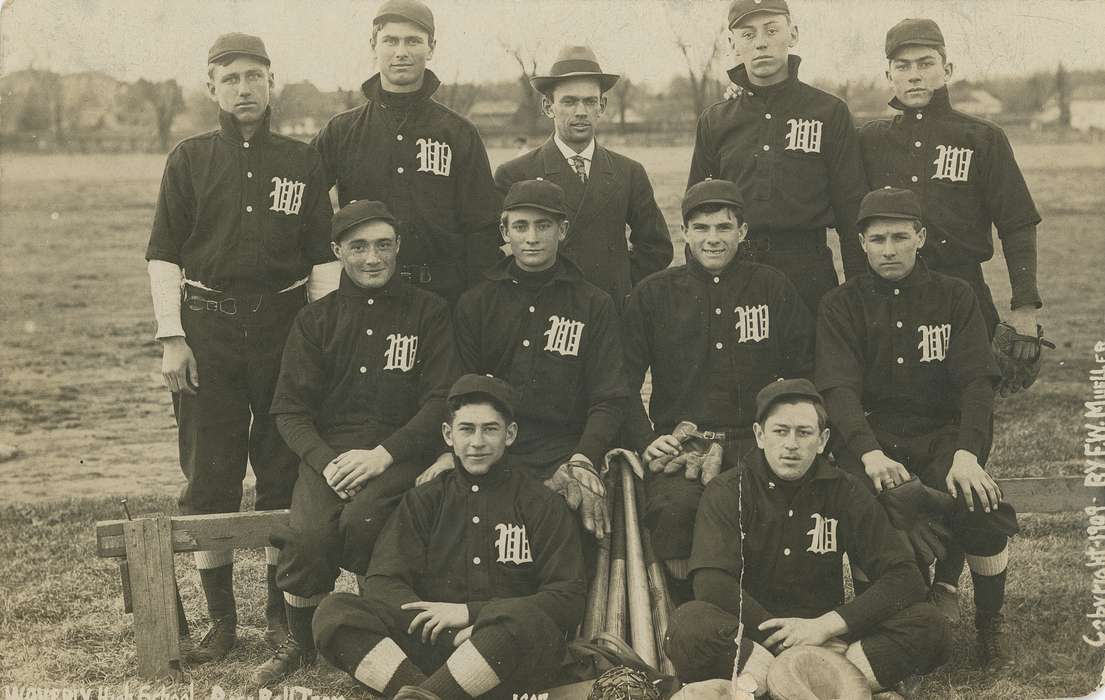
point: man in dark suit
(606, 192)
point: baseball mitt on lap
(813, 673)
(919, 511)
(1018, 357)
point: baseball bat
(640, 613)
(661, 602)
(595, 619)
(615, 600)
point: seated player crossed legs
(477, 578)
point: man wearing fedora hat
(554, 337)
(239, 240)
(360, 399)
(606, 191)
(425, 161)
(791, 148)
(904, 363)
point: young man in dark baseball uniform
(791, 148)
(904, 363)
(606, 192)
(714, 331)
(425, 161)
(769, 542)
(554, 337)
(962, 169)
(360, 398)
(478, 577)
(239, 241)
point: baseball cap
(358, 212)
(784, 389)
(237, 43)
(712, 192)
(740, 9)
(499, 391)
(408, 10)
(539, 193)
(889, 203)
(918, 31)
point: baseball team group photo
(555, 350)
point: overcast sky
(326, 41)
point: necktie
(580, 168)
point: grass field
(81, 399)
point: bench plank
(193, 533)
(1061, 494)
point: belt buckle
(713, 436)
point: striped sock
(988, 577)
(272, 556)
(213, 558)
(386, 669)
(468, 673)
(295, 601)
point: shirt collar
(566, 270)
(430, 83)
(588, 153)
(739, 75)
(499, 473)
(940, 102)
(348, 288)
(731, 270)
(916, 277)
(229, 129)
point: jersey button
(766, 147)
(786, 552)
(364, 369)
(897, 292)
(476, 561)
(719, 346)
(399, 170)
(525, 343)
(901, 360)
(245, 144)
(398, 137)
(532, 309)
(717, 311)
(249, 208)
(790, 513)
(917, 144)
(913, 179)
(898, 324)
(368, 332)
(717, 280)
(767, 116)
(918, 115)
(476, 519)
(371, 302)
(249, 173)
(475, 488)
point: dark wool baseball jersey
(785, 546)
(712, 342)
(364, 367)
(793, 151)
(245, 216)
(429, 165)
(915, 348)
(558, 346)
(962, 169)
(473, 539)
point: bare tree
(1062, 95)
(528, 116)
(167, 100)
(700, 70)
(623, 94)
(458, 96)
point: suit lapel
(601, 183)
(558, 170)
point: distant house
(493, 116)
(1087, 109)
(977, 102)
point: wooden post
(149, 543)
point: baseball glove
(699, 460)
(919, 512)
(1018, 357)
(808, 672)
(623, 683)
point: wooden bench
(147, 545)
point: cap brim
(251, 54)
(887, 215)
(914, 42)
(815, 398)
(545, 83)
(768, 10)
(727, 202)
(400, 18)
(336, 235)
(542, 207)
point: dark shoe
(413, 692)
(217, 643)
(991, 646)
(945, 601)
(287, 659)
(276, 622)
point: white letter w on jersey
(287, 195)
(563, 336)
(401, 352)
(512, 543)
(934, 342)
(823, 535)
(952, 163)
(804, 135)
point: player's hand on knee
(178, 365)
(441, 465)
(435, 618)
(794, 631)
(884, 472)
(966, 476)
(354, 467)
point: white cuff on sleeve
(324, 279)
(166, 279)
